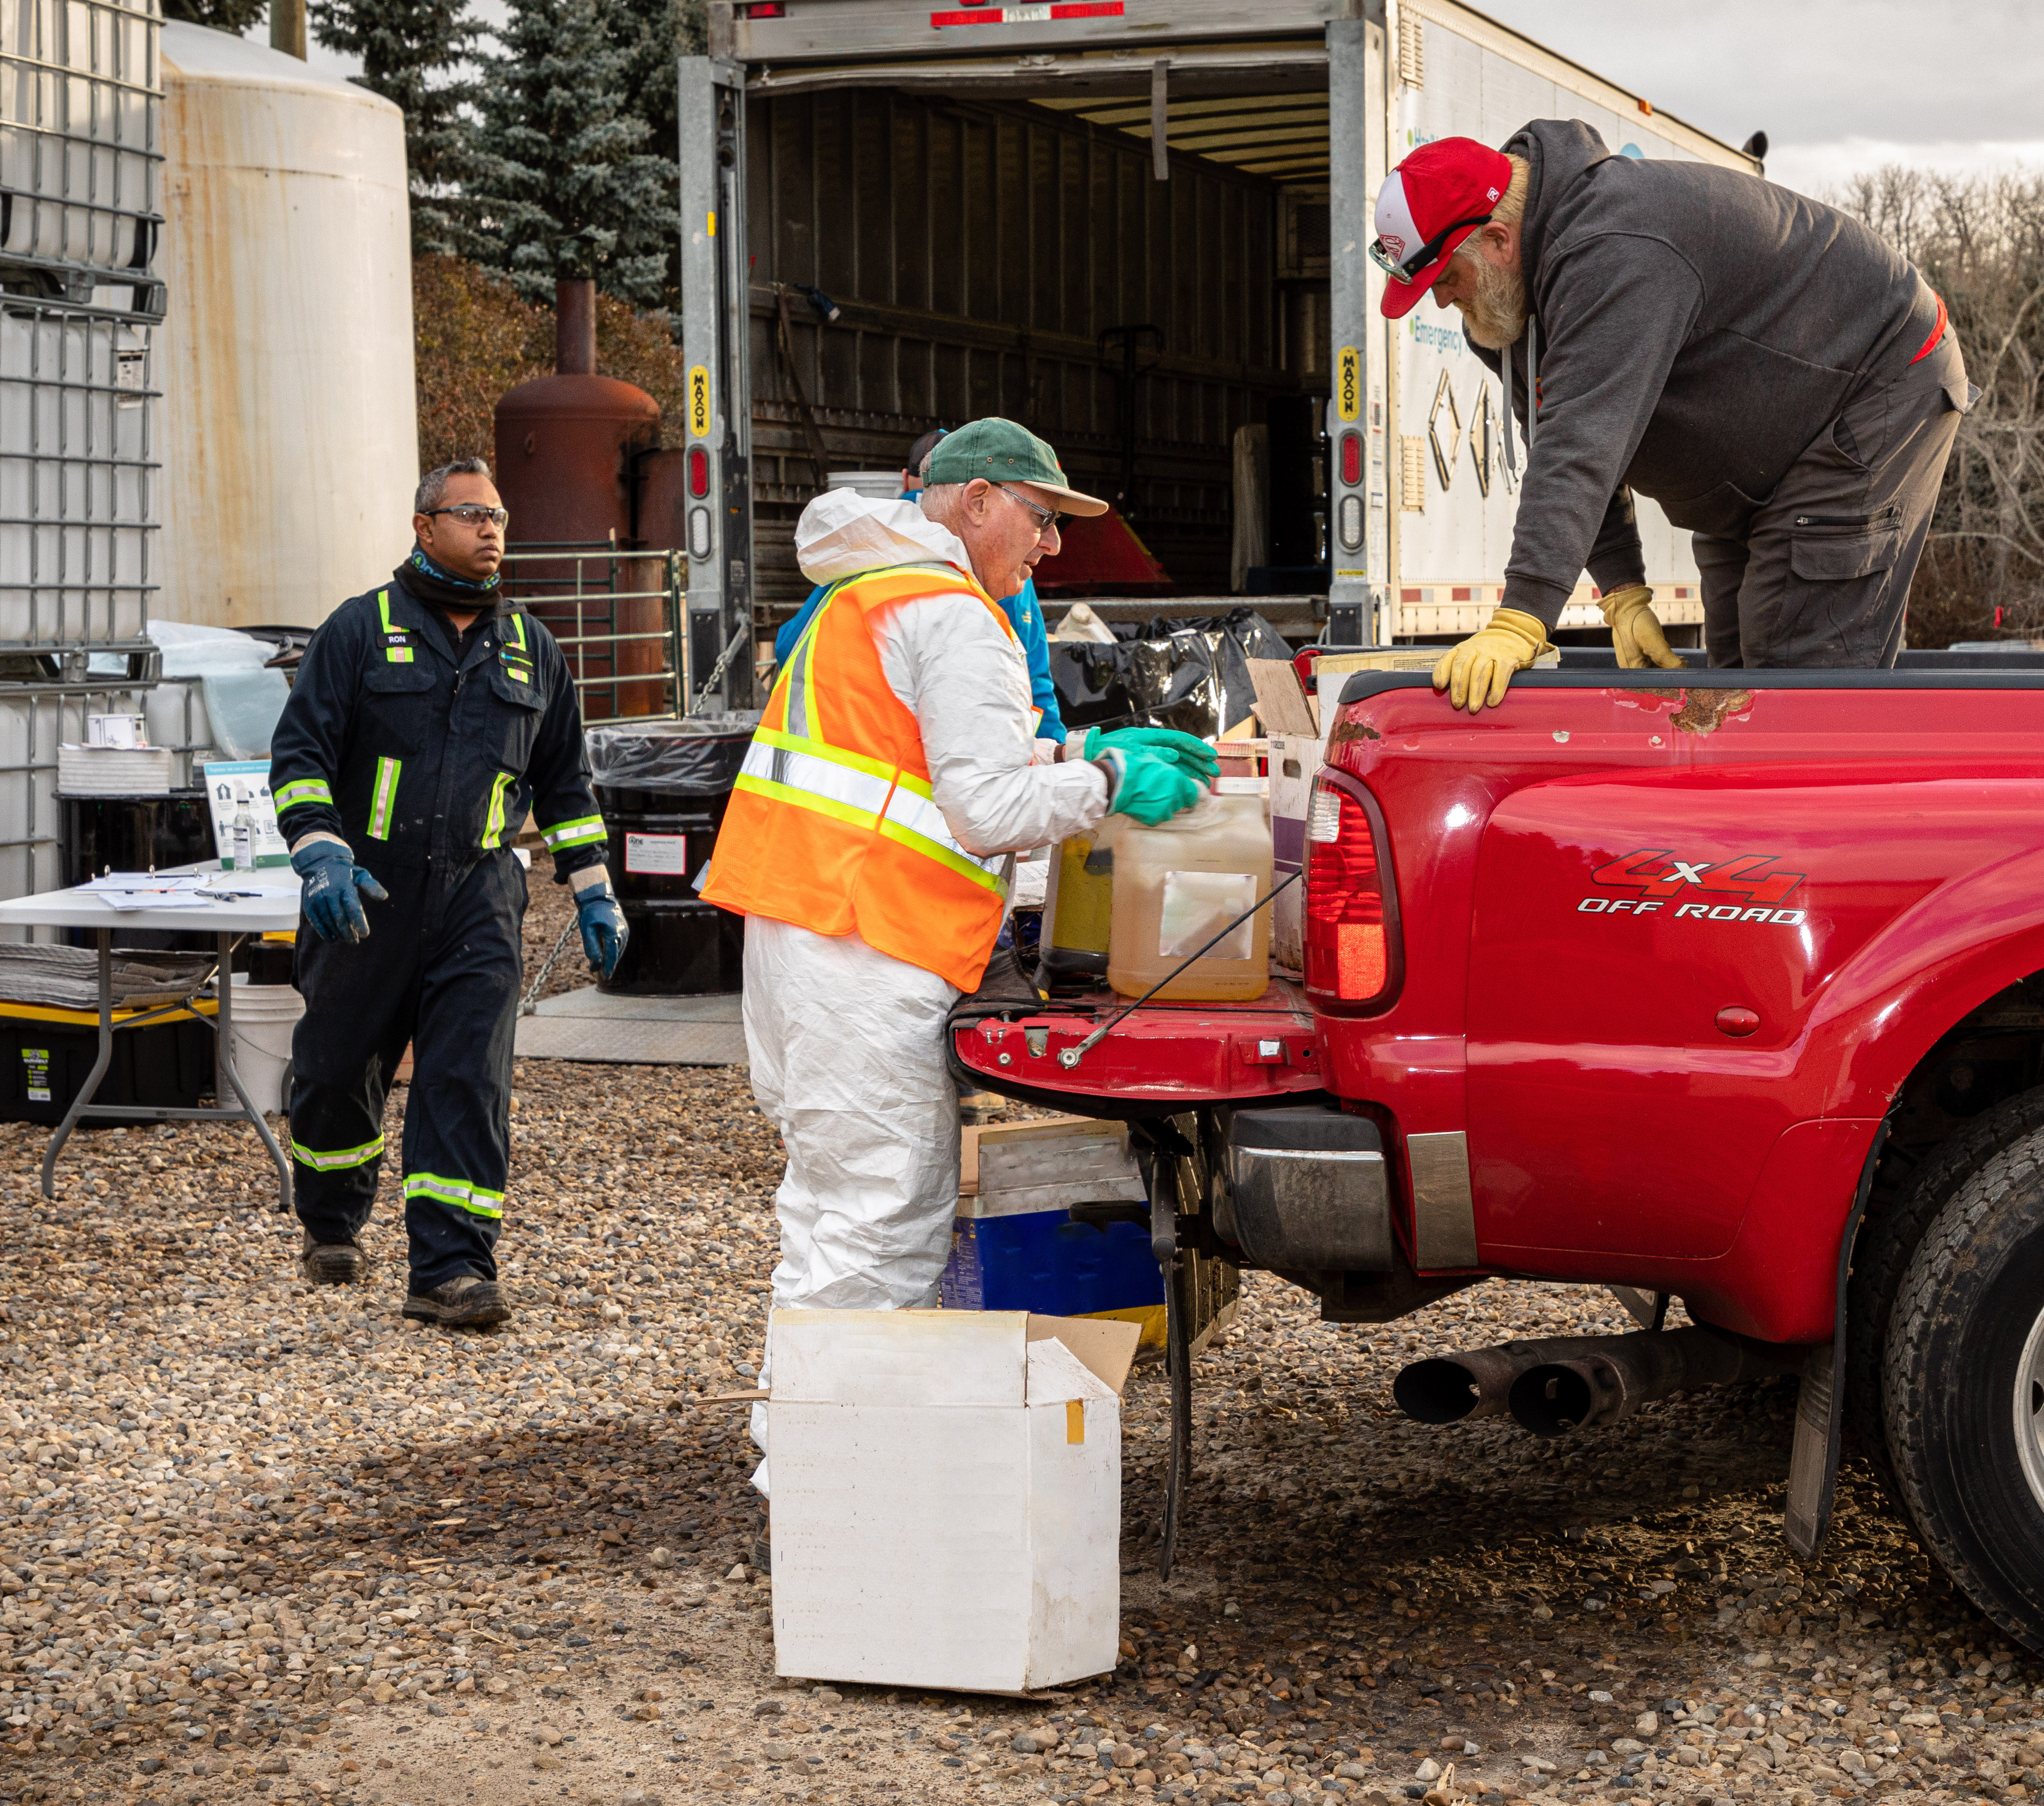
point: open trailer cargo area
(1141, 230)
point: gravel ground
(259, 1541)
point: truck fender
(1938, 960)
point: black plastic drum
(663, 787)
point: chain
(531, 1003)
(738, 639)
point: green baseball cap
(1003, 452)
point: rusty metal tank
(568, 448)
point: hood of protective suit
(842, 532)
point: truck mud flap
(1311, 1190)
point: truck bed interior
(986, 249)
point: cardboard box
(1295, 760)
(946, 1505)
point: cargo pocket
(1838, 610)
(515, 709)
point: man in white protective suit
(868, 844)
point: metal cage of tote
(617, 616)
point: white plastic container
(947, 1491)
(878, 486)
(1178, 883)
(264, 1016)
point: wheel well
(1991, 1053)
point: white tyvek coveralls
(846, 1043)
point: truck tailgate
(1161, 1059)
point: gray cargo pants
(1821, 576)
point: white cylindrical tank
(289, 445)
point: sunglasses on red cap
(1405, 269)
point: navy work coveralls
(427, 770)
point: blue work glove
(1186, 750)
(1148, 787)
(604, 933)
(331, 880)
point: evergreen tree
(413, 52)
(565, 174)
(235, 16)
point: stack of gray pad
(67, 978)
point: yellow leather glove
(1635, 633)
(1479, 670)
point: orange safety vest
(832, 824)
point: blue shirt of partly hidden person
(1024, 614)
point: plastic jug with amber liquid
(1077, 898)
(1179, 884)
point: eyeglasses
(1403, 269)
(1048, 520)
(470, 514)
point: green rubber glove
(1186, 750)
(1146, 786)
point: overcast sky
(1838, 86)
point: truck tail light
(1353, 954)
(698, 472)
(1351, 460)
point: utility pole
(287, 27)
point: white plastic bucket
(264, 1016)
(879, 485)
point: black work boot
(333, 1263)
(464, 1302)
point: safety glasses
(473, 514)
(1403, 269)
(1048, 520)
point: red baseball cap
(1428, 205)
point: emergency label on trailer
(1348, 382)
(36, 1062)
(1037, 14)
(699, 401)
(658, 856)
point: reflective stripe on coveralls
(399, 654)
(340, 1159)
(384, 797)
(493, 827)
(458, 1193)
(833, 825)
(304, 791)
(579, 832)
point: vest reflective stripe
(457, 1192)
(861, 792)
(340, 1159)
(832, 824)
(304, 791)
(517, 623)
(383, 798)
(492, 828)
(580, 832)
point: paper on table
(148, 881)
(153, 900)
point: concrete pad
(596, 1027)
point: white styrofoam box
(947, 1508)
(1295, 761)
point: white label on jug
(1198, 906)
(659, 855)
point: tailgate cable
(1069, 1057)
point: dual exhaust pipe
(1570, 1382)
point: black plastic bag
(1187, 672)
(697, 757)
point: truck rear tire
(1964, 1388)
(1893, 1232)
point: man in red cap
(1772, 373)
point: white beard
(1496, 313)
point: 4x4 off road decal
(1744, 889)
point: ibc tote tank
(291, 427)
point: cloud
(1818, 169)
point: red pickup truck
(1731, 991)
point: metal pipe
(1616, 1374)
(575, 326)
(1446, 1389)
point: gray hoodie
(1697, 329)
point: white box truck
(1140, 227)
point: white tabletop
(274, 910)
